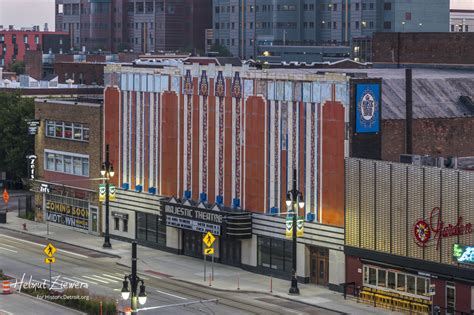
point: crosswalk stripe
(10, 250)
(103, 278)
(76, 280)
(113, 277)
(3, 244)
(102, 281)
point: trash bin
(3, 217)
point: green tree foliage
(18, 67)
(221, 50)
(15, 143)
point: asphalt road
(22, 256)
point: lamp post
(107, 172)
(134, 279)
(294, 198)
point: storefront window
(421, 285)
(141, 226)
(391, 280)
(264, 249)
(401, 282)
(382, 279)
(275, 254)
(411, 284)
(151, 227)
(372, 276)
(278, 254)
(125, 225)
(117, 224)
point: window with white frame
(392, 280)
(66, 163)
(67, 130)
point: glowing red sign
(436, 229)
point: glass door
(94, 220)
(450, 298)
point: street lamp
(107, 172)
(294, 198)
(134, 279)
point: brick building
(14, 44)
(88, 73)
(138, 25)
(449, 49)
(68, 150)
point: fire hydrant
(24, 227)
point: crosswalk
(7, 248)
(102, 278)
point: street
(21, 256)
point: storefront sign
(32, 166)
(435, 229)
(463, 254)
(120, 215)
(367, 108)
(33, 126)
(68, 215)
(192, 218)
(45, 188)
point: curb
(51, 303)
(61, 242)
(246, 292)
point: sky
(460, 4)
(26, 13)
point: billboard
(367, 109)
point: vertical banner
(289, 227)
(112, 190)
(102, 193)
(32, 166)
(299, 226)
(367, 108)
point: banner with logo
(299, 226)
(112, 190)
(367, 108)
(289, 227)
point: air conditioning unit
(451, 162)
(410, 159)
(465, 163)
(428, 160)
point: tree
(18, 67)
(221, 50)
(15, 143)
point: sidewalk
(188, 269)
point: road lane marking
(176, 296)
(3, 244)
(117, 290)
(112, 277)
(77, 279)
(37, 244)
(105, 279)
(5, 312)
(102, 281)
(10, 250)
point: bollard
(210, 279)
(6, 289)
(24, 227)
(100, 304)
(271, 284)
(238, 281)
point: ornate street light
(134, 280)
(107, 172)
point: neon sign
(463, 254)
(435, 229)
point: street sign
(6, 196)
(49, 250)
(208, 239)
(49, 260)
(209, 251)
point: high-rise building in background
(249, 27)
(138, 25)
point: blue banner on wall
(367, 108)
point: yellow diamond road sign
(209, 251)
(49, 250)
(208, 239)
(49, 260)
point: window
(364, 6)
(421, 286)
(391, 280)
(408, 16)
(356, 25)
(401, 282)
(371, 6)
(149, 7)
(117, 224)
(387, 25)
(382, 278)
(25, 39)
(450, 298)
(274, 253)
(131, 7)
(66, 163)
(387, 6)
(139, 7)
(371, 24)
(64, 130)
(372, 276)
(411, 284)
(125, 225)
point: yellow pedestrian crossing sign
(49, 250)
(208, 239)
(209, 251)
(50, 260)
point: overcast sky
(26, 13)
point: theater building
(409, 236)
(194, 143)
(68, 145)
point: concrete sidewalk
(188, 269)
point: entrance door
(192, 243)
(230, 252)
(94, 220)
(319, 265)
(450, 298)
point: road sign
(208, 239)
(49, 260)
(6, 196)
(49, 250)
(209, 251)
